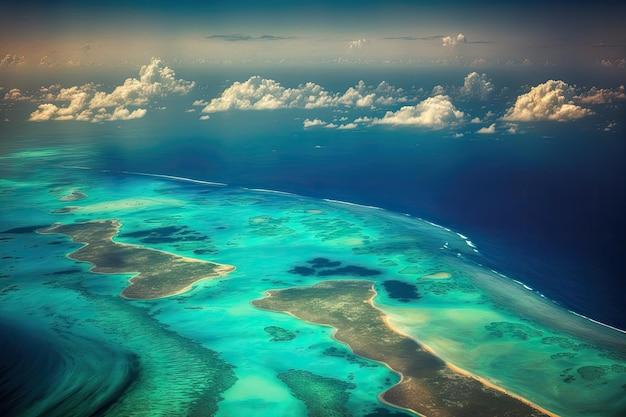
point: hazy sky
(44, 36)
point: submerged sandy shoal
(157, 273)
(428, 385)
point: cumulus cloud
(434, 112)
(438, 90)
(512, 128)
(313, 123)
(489, 130)
(86, 103)
(453, 40)
(11, 61)
(258, 93)
(477, 85)
(602, 95)
(613, 63)
(358, 43)
(552, 100)
(15, 94)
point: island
(156, 273)
(428, 386)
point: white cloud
(313, 123)
(201, 103)
(477, 85)
(609, 127)
(453, 40)
(602, 95)
(205, 117)
(358, 43)
(15, 94)
(258, 93)
(512, 128)
(362, 95)
(551, 100)
(438, 90)
(11, 61)
(475, 120)
(86, 103)
(190, 111)
(490, 130)
(264, 94)
(613, 63)
(347, 126)
(434, 112)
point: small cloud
(363, 119)
(458, 135)
(475, 120)
(200, 103)
(438, 90)
(610, 127)
(358, 43)
(490, 130)
(434, 112)
(453, 40)
(347, 126)
(190, 111)
(552, 100)
(15, 94)
(11, 61)
(477, 86)
(205, 117)
(601, 95)
(613, 63)
(512, 128)
(313, 123)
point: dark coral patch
(166, 234)
(323, 263)
(512, 330)
(591, 373)
(349, 270)
(278, 334)
(401, 291)
(383, 412)
(302, 270)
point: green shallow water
(207, 352)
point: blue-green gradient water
(71, 346)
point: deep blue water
(545, 206)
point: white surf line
(597, 322)
(330, 200)
(263, 190)
(172, 177)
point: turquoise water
(207, 352)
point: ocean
(544, 206)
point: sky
(76, 61)
(52, 36)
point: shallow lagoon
(475, 319)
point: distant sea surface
(545, 207)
